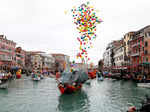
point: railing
(4, 50)
(5, 58)
(135, 54)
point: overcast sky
(43, 25)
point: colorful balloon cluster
(86, 20)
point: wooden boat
(70, 82)
(145, 85)
(68, 88)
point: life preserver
(140, 77)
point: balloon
(86, 21)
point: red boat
(67, 88)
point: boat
(88, 82)
(145, 85)
(4, 80)
(36, 77)
(4, 85)
(144, 108)
(69, 88)
(70, 82)
(41, 76)
(100, 78)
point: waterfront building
(139, 51)
(107, 56)
(33, 60)
(127, 38)
(20, 57)
(119, 56)
(48, 62)
(7, 52)
(62, 62)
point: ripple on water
(44, 96)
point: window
(146, 43)
(145, 52)
(139, 41)
(148, 34)
(145, 34)
(128, 42)
(143, 59)
(136, 50)
(139, 49)
(146, 59)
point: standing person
(57, 74)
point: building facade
(107, 56)
(62, 62)
(48, 62)
(20, 57)
(139, 48)
(127, 38)
(119, 56)
(7, 52)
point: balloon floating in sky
(86, 21)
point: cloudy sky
(43, 25)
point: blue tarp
(71, 77)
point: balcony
(135, 54)
(2, 58)
(5, 50)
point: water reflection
(77, 102)
(3, 92)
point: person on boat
(98, 74)
(132, 109)
(57, 74)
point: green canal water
(24, 95)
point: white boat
(100, 78)
(88, 81)
(36, 78)
(4, 85)
(41, 76)
(145, 85)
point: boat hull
(145, 85)
(36, 79)
(68, 89)
(100, 78)
(4, 85)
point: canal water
(24, 95)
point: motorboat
(88, 82)
(145, 85)
(4, 85)
(100, 78)
(4, 80)
(36, 77)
